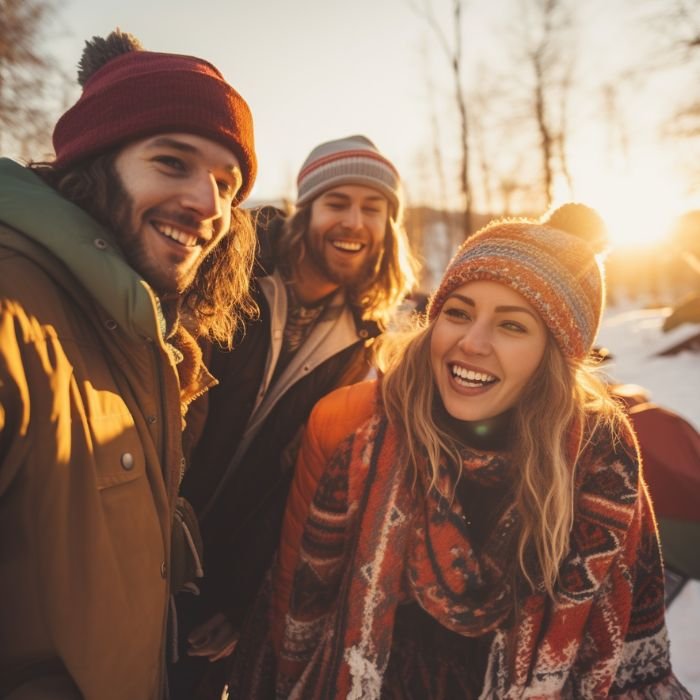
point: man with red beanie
(115, 259)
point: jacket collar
(86, 248)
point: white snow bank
(634, 337)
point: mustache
(180, 218)
(341, 232)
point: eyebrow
(346, 197)
(167, 142)
(500, 309)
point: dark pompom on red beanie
(141, 93)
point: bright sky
(314, 70)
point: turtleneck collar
(491, 434)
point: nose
(476, 339)
(353, 218)
(201, 195)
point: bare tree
(675, 25)
(544, 47)
(28, 77)
(481, 98)
(678, 33)
(452, 50)
(436, 148)
(618, 142)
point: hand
(216, 639)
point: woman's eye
(513, 326)
(456, 313)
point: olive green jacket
(90, 456)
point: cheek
(321, 222)
(527, 361)
(378, 231)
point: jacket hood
(85, 247)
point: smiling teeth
(186, 239)
(350, 246)
(468, 376)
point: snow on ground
(634, 337)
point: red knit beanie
(141, 93)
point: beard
(118, 217)
(349, 279)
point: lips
(470, 378)
(347, 246)
(184, 238)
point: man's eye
(171, 162)
(225, 188)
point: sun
(639, 206)
(639, 219)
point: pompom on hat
(129, 94)
(353, 160)
(551, 263)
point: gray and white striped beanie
(353, 160)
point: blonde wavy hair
(393, 278)
(559, 396)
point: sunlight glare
(637, 210)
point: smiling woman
(482, 532)
(485, 346)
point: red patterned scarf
(373, 542)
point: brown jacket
(90, 457)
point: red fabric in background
(670, 449)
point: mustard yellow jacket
(90, 457)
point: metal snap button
(127, 460)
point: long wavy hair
(394, 276)
(218, 300)
(560, 395)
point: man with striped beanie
(329, 277)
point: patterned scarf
(372, 542)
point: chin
(470, 417)
(470, 414)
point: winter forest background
(488, 107)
